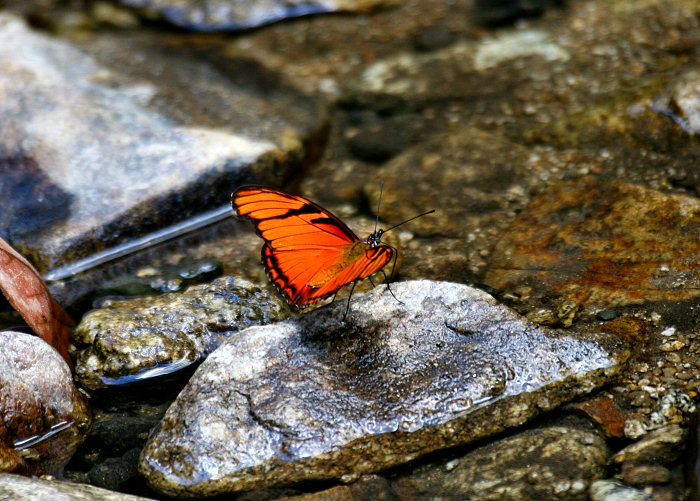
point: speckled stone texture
(144, 337)
(317, 398)
(521, 466)
(35, 489)
(44, 416)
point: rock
(132, 153)
(550, 245)
(434, 37)
(604, 413)
(544, 463)
(44, 416)
(610, 490)
(36, 489)
(316, 398)
(500, 11)
(683, 102)
(455, 72)
(644, 474)
(662, 446)
(150, 280)
(211, 15)
(116, 473)
(140, 338)
(473, 192)
(379, 140)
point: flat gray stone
(144, 337)
(130, 155)
(316, 397)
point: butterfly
(309, 253)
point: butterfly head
(374, 239)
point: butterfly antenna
(379, 205)
(411, 219)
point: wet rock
(36, 489)
(544, 463)
(317, 398)
(549, 246)
(607, 315)
(474, 191)
(379, 140)
(150, 280)
(683, 103)
(211, 15)
(136, 339)
(116, 473)
(133, 153)
(407, 80)
(660, 446)
(645, 474)
(611, 490)
(604, 413)
(434, 37)
(44, 417)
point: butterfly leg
(350, 296)
(389, 288)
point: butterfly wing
(308, 253)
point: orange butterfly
(309, 253)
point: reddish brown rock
(603, 412)
(602, 244)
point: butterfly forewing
(309, 253)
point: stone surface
(136, 339)
(683, 103)
(210, 15)
(602, 244)
(645, 474)
(391, 82)
(604, 413)
(44, 417)
(37, 489)
(543, 463)
(663, 446)
(611, 490)
(550, 122)
(122, 162)
(318, 398)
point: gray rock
(36, 489)
(44, 416)
(122, 162)
(546, 463)
(140, 338)
(209, 15)
(683, 102)
(660, 446)
(611, 490)
(317, 398)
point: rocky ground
(546, 345)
